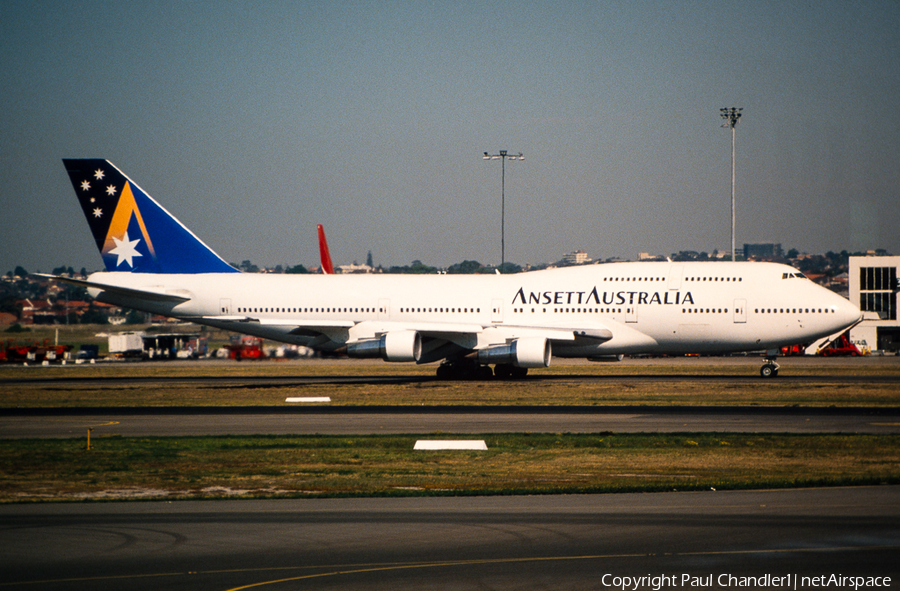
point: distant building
(579, 257)
(763, 252)
(354, 268)
(646, 256)
(873, 287)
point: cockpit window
(793, 276)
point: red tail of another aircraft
(327, 267)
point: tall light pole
(502, 156)
(731, 117)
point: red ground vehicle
(794, 350)
(841, 346)
(246, 347)
(34, 352)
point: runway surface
(539, 542)
(142, 422)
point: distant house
(819, 278)
(37, 311)
(7, 319)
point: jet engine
(401, 345)
(524, 352)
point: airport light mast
(731, 117)
(502, 156)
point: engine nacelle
(524, 352)
(401, 345)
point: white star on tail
(85, 186)
(110, 190)
(98, 212)
(125, 250)
(99, 174)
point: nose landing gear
(770, 368)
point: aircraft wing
(585, 334)
(594, 331)
(465, 335)
(335, 330)
(438, 340)
(478, 336)
(306, 324)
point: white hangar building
(874, 287)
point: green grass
(295, 466)
(721, 381)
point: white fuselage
(652, 307)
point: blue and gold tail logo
(133, 232)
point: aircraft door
(740, 311)
(496, 310)
(675, 275)
(384, 307)
(225, 306)
(631, 313)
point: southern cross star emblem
(125, 250)
(85, 186)
(110, 190)
(98, 212)
(98, 174)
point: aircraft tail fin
(324, 255)
(133, 232)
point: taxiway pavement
(531, 542)
(150, 421)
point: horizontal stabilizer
(142, 294)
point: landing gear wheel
(770, 367)
(519, 372)
(464, 370)
(484, 373)
(503, 371)
(445, 372)
(508, 371)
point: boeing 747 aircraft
(468, 323)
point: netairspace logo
(724, 581)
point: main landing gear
(469, 370)
(770, 368)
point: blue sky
(254, 121)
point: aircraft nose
(847, 314)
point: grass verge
(317, 466)
(714, 381)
